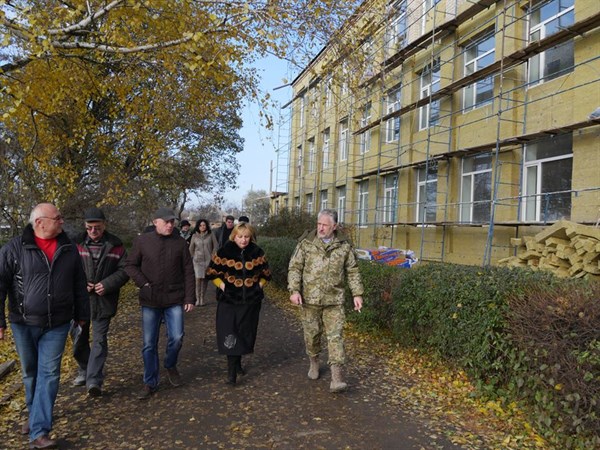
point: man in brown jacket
(161, 266)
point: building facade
(449, 127)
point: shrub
(288, 223)
(279, 252)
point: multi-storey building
(450, 126)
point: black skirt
(237, 326)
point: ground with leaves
(397, 399)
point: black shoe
(43, 442)
(231, 370)
(238, 367)
(94, 390)
(174, 377)
(146, 392)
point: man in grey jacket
(103, 255)
(42, 275)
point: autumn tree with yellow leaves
(135, 102)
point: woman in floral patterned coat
(239, 270)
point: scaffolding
(419, 172)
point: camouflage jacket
(318, 270)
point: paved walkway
(274, 406)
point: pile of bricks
(568, 249)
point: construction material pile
(568, 249)
(389, 256)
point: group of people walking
(56, 287)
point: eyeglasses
(94, 227)
(56, 219)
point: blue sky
(260, 143)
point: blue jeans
(151, 320)
(40, 351)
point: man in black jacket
(160, 264)
(103, 256)
(42, 275)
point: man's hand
(188, 307)
(358, 301)
(2, 333)
(296, 298)
(90, 287)
(99, 288)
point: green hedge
(279, 252)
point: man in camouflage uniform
(322, 261)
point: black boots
(234, 367)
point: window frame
(343, 142)
(393, 101)
(390, 198)
(424, 184)
(365, 137)
(472, 97)
(363, 204)
(341, 202)
(468, 205)
(427, 89)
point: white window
(365, 138)
(430, 83)
(428, 13)
(324, 199)
(326, 149)
(309, 204)
(328, 93)
(478, 55)
(345, 76)
(476, 189)
(369, 59)
(426, 194)
(343, 142)
(302, 101)
(392, 126)
(297, 204)
(390, 197)
(341, 203)
(314, 103)
(396, 33)
(548, 176)
(363, 203)
(545, 19)
(300, 162)
(312, 155)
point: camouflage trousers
(317, 319)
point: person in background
(103, 255)
(161, 266)
(203, 244)
(224, 230)
(42, 274)
(185, 230)
(244, 219)
(239, 270)
(317, 271)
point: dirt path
(274, 406)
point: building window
(476, 189)
(343, 143)
(429, 114)
(545, 19)
(363, 203)
(548, 176)
(341, 203)
(396, 33)
(390, 198)
(326, 149)
(478, 55)
(344, 88)
(365, 138)
(328, 93)
(369, 59)
(297, 204)
(428, 12)
(426, 194)
(300, 162)
(309, 204)
(314, 103)
(302, 101)
(392, 126)
(324, 204)
(312, 155)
